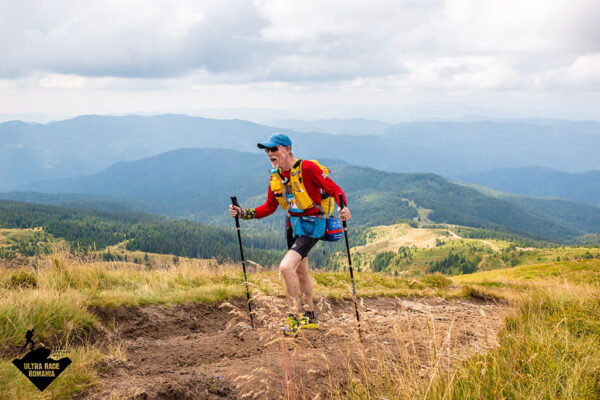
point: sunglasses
(271, 149)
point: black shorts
(300, 245)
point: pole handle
(342, 202)
(342, 205)
(237, 218)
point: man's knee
(289, 263)
(286, 268)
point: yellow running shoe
(309, 320)
(292, 326)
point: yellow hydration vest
(292, 195)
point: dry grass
(54, 295)
(548, 349)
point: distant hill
(198, 183)
(79, 201)
(183, 182)
(481, 145)
(583, 187)
(456, 204)
(91, 143)
(356, 126)
(21, 161)
(576, 217)
(88, 144)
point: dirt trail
(492, 245)
(190, 352)
(454, 235)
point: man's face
(275, 154)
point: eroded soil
(209, 351)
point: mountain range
(85, 145)
(197, 183)
(354, 126)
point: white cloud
(62, 81)
(462, 73)
(586, 70)
(131, 39)
(381, 46)
(582, 75)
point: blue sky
(308, 59)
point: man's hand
(235, 211)
(344, 214)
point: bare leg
(306, 286)
(288, 267)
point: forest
(91, 230)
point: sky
(387, 60)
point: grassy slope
(549, 347)
(56, 297)
(55, 300)
(547, 350)
(553, 331)
(16, 243)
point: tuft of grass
(21, 278)
(436, 280)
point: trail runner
(299, 187)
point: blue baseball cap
(275, 139)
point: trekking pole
(342, 205)
(237, 226)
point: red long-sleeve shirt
(313, 179)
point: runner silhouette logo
(37, 365)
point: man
(298, 186)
